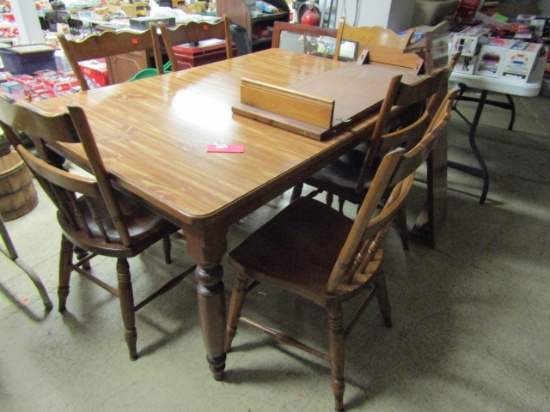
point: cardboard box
(11, 87)
(465, 64)
(142, 23)
(491, 57)
(95, 72)
(469, 41)
(520, 60)
(128, 9)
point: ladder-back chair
(193, 33)
(92, 215)
(110, 44)
(316, 253)
(350, 176)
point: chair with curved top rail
(193, 33)
(384, 46)
(108, 44)
(303, 38)
(92, 215)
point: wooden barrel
(17, 192)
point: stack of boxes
(468, 42)
(42, 85)
(95, 72)
(521, 61)
(510, 59)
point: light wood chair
(385, 47)
(350, 177)
(318, 254)
(92, 216)
(109, 44)
(304, 36)
(193, 33)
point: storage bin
(28, 59)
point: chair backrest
(193, 33)
(427, 93)
(384, 45)
(109, 44)
(302, 37)
(64, 187)
(396, 171)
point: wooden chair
(11, 253)
(350, 177)
(306, 37)
(193, 33)
(385, 47)
(92, 216)
(318, 254)
(109, 44)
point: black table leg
(482, 170)
(512, 108)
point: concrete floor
(471, 317)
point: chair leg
(382, 296)
(65, 262)
(401, 221)
(328, 199)
(126, 297)
(296, 192)
(235, 307)
(81, 254)
(336, 347)
(341, 202)
(167, 247)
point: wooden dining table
(153, 136)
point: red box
(188, 56)
(95, 72)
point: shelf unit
(241, 12)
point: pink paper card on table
(225, 148)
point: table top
(153, 134)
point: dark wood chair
(349, 178)
(92, 215)
(109, 44)
(304, 38)
(12, 254)
(193, 33)
(316, 253)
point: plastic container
(28, 59)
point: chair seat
(294, 250)
(145, 228)
(340, 177)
